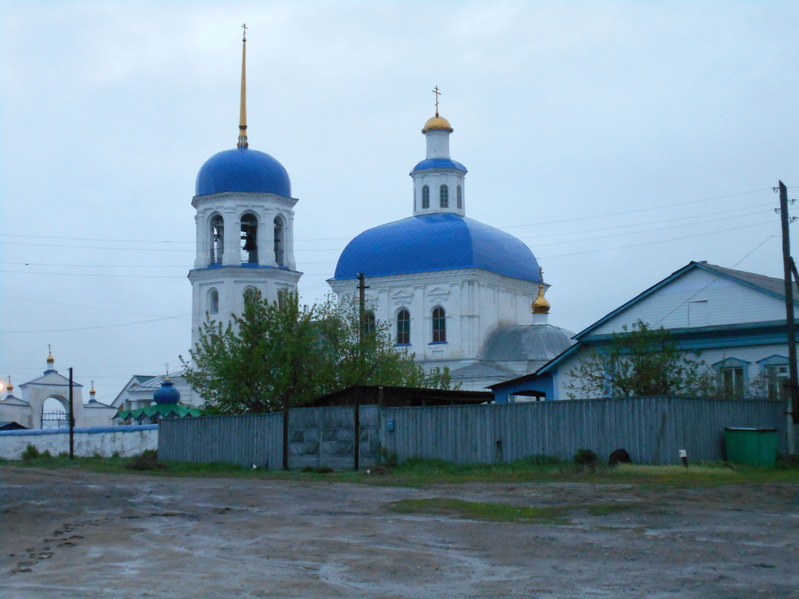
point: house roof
(768, 285)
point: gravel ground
(72, 533)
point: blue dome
(434, 242)
(167, 394)
(245, 170)
(433, 163)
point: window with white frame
(403, 327)
(443, 196)
(439, 325)
(732, 377)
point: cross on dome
(437, 93)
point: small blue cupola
(167, 394)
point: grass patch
(472, 510)
(425, 472)
(501, 512)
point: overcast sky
(618, 140)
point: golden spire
(540, 304)
(10, 386)
(243, 107)
(50, 358)
(92, 391)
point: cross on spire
(244, 33)
(437, 93)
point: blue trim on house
(531, 382)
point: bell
(249, 242)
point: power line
(102, 326)
(621, 247)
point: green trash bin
(753, 446)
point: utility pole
(71, 420)
(362, 287)
(792, 408)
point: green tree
(264, 360)
(641, 361)
(281, 354)
(360, 357)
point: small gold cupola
(438, 121)
(540, 304)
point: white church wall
(21, 414)
(103, 441)
(475, 302)
(98, 415)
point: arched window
(213, 301)
(425, 197)
(217, 239)
(279, 241)
(250, 294)
(403, 327)
(443, 196)
(369, 323)
(460, 197)
(249, 239)
(439, 325)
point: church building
(245, 228)
(458, 293)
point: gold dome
(541, 305)
(437, 122)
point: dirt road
(72, 533)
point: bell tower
(245, 227)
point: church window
(213, 301)
(217, 239)
(403, 327)
(279, 241)
(443, 196)
(369, 323)
(439, 325)
(425, 197)
(249, 239)
(250, 294)
(459, 193)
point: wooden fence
(651, 429)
